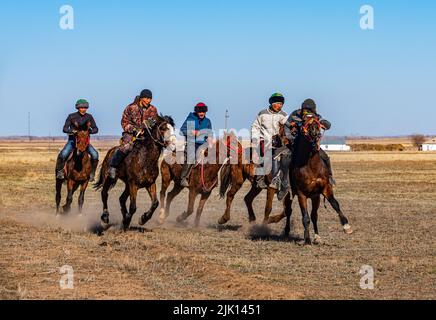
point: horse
(138, 170)
(310, 179)
(235, 174)
(203, 179)
(77, 171)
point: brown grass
(388, 197)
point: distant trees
(417, 140)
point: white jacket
(267, 125)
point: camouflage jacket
(134, 116)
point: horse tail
(99, 184)
(225, 179)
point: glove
(149, 123)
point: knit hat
(276, 97)
(146, 94)
(82, 103)
(309, 105)
(200, 107)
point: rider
(136, 116)
(197, 130)
(79, 119)
(263, 130)
(296, 120)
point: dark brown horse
(77, 171)
(234, 175)
(138, 170)
(310, 179)
(202, 180)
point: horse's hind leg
(268, 206)
(200, 207)
(123, 199)
(248, 199)
(133, 193)
(314, 217)
(288, 211)
(152, 192)
(335, 204)
(82, 195)
(302, 200)
(58, 194)
(104, 197)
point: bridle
(306, 129)
(160, 139)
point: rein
(159, 142)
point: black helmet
(309, 105)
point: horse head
(82, 137)
(163, 132)
(311, 129)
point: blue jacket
(204, 125)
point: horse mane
(166, 118)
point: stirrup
(276, 182)
(60, 174)
(261, 183)
(112, 172)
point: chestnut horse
(138, 170)
(202, 180)
(310, 179)
(234, 175)
(77, 171)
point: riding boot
(275, 182)
(116, 160)
(60, 164)
(94, 164)
(326, 159)
(184, 177)
(284, 167)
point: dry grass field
(389, 198)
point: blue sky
(229, 54)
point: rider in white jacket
(264, 128)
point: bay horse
(203, 179)
(234, 175)
(138, 170)
(77, 171)
(310, 179)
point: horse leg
(316, 200)
(171, 195)
(71, 186)
(200, 207)
(191, 202)
(287, 205)
(123, 199)
(335, 204)
(152, 192)
(268, 206)
(104, 197)
(248, 199)
(58, 194)
(83, 187)
(230, 196)
(302, 200)
(163, 191)
(133, 193)
(288, 211)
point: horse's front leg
(328, 193)
(154, 204)
(268, 206)
(83, 187)
(230, 196)
(186, 214)
(58, 194)
(133, 193)
(200, 207)
(302, 200)
(316, 200)
(71, 187)
(249, 198)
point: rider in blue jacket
(197, 129)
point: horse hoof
(317, 239)
(222, 220)
(347, 229)
(308, 242)
(142, 220)
(105, 218)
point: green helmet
(276, 97)
(82, 103)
